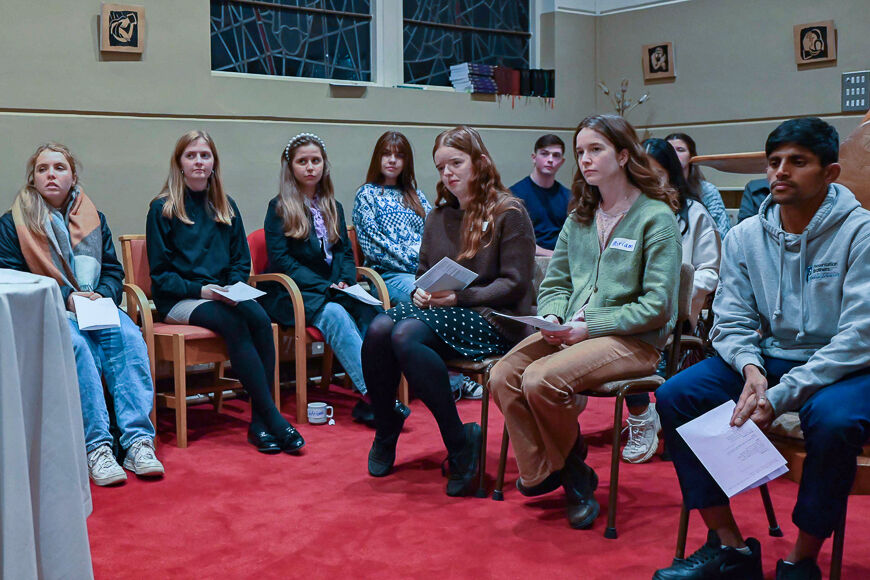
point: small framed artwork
(122, 28)
(658, 61)
(815, 42)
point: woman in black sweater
(196, 244)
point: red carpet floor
(225, 511)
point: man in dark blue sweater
(546, 199)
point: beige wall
(122, 117)
(736, 75)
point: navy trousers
(835, 422)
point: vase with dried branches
(621, 102)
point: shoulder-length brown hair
(173, 189)
(395, 142)
(489, 197)
(292, 204)
(585, 197)
(33, 205)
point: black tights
(410, 347)
(247, 331)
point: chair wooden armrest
(139, 311)
(375, 280)
(295, 295)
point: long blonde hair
(292, 204)
(33, 206)
(173, 189)
(489, 197)
(585, 197)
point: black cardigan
(185, 257)
(111, 282)
(304, 261)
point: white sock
(744, 550)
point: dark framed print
(815, 42)
(122, 28)
(658, 61)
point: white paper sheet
(445, 275)
(360, 294)
(537, 322)
(738, 458)
(96, 314)
(240, 291)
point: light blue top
(712, 200)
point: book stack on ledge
(526, 82)
(473, 78)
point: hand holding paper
(445, 275)
(360, 294)
(239, 292)
(537, 322)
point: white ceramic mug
(319, 413)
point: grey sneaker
(471, 389)
(643, 439)
(141, 459)
(102, 467)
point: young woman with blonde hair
(306, 238)
(389, 212)
(478, 223)
(55, 230)
(196, 244)
(613, 280)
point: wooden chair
(296, 339)
(181, 345)
(619, 389)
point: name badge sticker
(623, 244)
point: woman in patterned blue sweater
(389, 212)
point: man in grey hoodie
(792, 332)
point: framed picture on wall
(815, 42)
(122, 28)
(658, 61)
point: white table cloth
(45, 496)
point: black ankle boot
(580, 482)
(464, 465)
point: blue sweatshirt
(808, 293)
(548, 209)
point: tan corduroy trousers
(536, 386)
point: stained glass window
(440, 33)
(328, 39)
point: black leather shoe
(264, 442)
(382, 457)
(362, 412)
(464, 465)
(290, 440)
(806, 569)
(551, 483)
(580, 482)
(402, 409)
(713, 562)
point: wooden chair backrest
(134, 255)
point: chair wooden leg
(326, 368)
(403, 390)
(301, 382)
(682, 533)
(484, 423)
(837, 548)
(276, 374)
(180, 376)
(610, 530)
(498, 492)
(218, 394)
(772, 526)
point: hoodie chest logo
(623, 244)
(824, 270)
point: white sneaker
(142, 460)
(643, 439)
(103, 468)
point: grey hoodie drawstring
(777, 312)
(803, 272)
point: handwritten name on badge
(623, 244)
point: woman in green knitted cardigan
(613, 281)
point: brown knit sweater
(504, 268)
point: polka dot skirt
(462, 328)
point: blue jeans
(344, 337)
(120, 355)
(400, 286)
(835, 422)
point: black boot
(464, 465)
(382, 455)
(580, 482)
